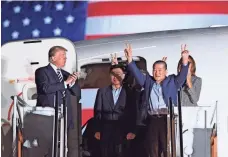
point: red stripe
(152, 7)
(86, 115)
(91, 37)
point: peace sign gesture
(114, 59)
(184, 54)
(164, 59)
(183, 47)
(128, 53)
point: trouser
(131, 148)
(137, 148)
(156, 136)
(38, 137)
(112, 138)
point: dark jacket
(48, 83)
(170, 87)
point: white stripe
(148, 23)
(95, 1)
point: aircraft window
(96, 75)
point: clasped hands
(72, 78)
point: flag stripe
(111, 25)
(86, 115)
(152, 7)
(97, 36)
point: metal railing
(17, 126)
(214, 117)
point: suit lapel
(52, 72)
(65, 74)
(110, 96)
(151, 85)
(165, 90)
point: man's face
(117, 76)
(159, 72)
(59, 59)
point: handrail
(14, 142)
(214, 113)
(17, 123)
(20, 101)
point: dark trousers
(39, 128)
(72, 142)
(137, 148)
(156, 136)
(132, 148)
(112, 140)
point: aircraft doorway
(96, 75)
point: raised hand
(128, 53)
(164, 59)
(114, 60)
(184, 54)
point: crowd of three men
(116, 124)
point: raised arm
(140, 78)
(114, 60)
(182, 75)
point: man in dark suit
(112, 128)
(49, 80)
(158, 89)
(133, 147)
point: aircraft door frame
(21, 59)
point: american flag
(80, 20)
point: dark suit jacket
(130, 113)
(47, 83)
(170, 86)
(105, 110)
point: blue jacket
(170, 86)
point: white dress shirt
(116, 93)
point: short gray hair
(53, 50)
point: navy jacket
(170, 86)
(47, 83)
(105, 110)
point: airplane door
(19, 60)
